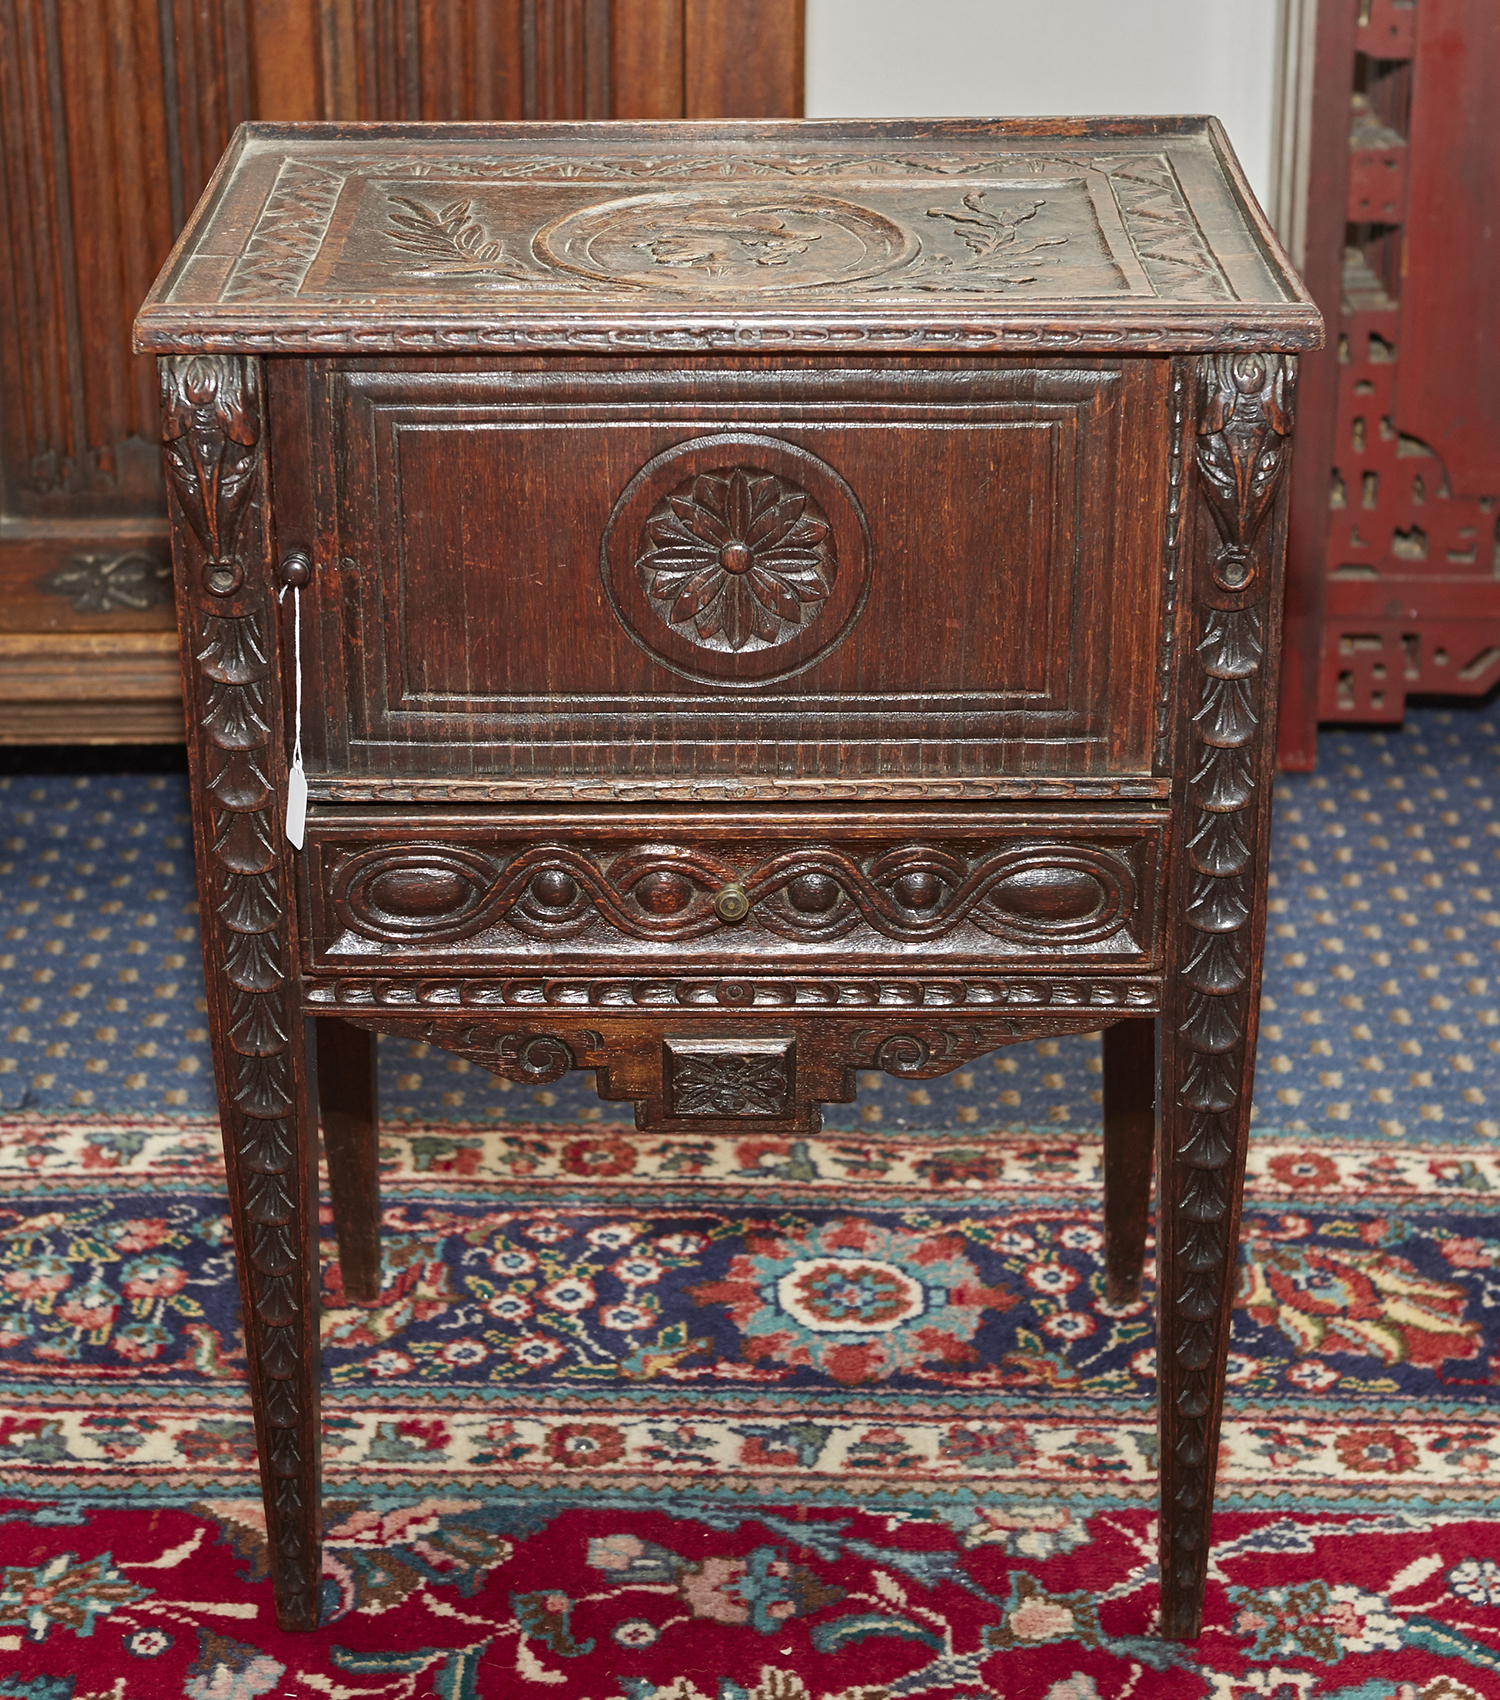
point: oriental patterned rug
(740, 1419)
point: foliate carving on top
(211, 438)
(1244, 428)
(998, 255)
(735, 559)
(447, 241)
(725, 227)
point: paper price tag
(296, 805)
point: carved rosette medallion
(730, 1077)
(1245, 411)
(737, 558)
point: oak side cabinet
(753, 602)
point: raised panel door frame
(384, 746)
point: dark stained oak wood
(348, 1099)
(1129, 1143)
(899, 658)
(780, 603)
(1138, 237)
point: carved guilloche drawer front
(769, 898)
(869, 574)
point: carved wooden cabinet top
(1128, 235)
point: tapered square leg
(1129, 1146)
(232, 694)
(347, 1101)
(1201, 1167)
(1224, 763)
(270, 1151)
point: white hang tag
(296, 780)
(296, 805)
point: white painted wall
(1018, 58)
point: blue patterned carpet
(1380, 1018)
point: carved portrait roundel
(736, 239)
(738, 557)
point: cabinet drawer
(768, 893)
(869, 575)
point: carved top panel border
(636, 238)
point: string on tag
(296, 779)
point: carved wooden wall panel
(743, 61)
(113, 113)
(436, 60)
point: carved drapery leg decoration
(232, 688)
(1224, 756)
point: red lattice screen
(1409, 564)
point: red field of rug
(460, 1599)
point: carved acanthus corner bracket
(1245, 426)
(211, 438)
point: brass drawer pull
(732, 904)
